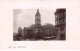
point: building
(37, 31)
(60, 23)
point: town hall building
(45, 32)
(37, 31)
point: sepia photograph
(39, 24)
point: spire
(37, 14)
(38, 18)
(37, 10)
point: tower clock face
(37, 17)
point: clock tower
(38, 18)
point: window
(60, 21)
(56, 15)
(38, 17)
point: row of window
(46, 31)
(60, 21)
(60, 14)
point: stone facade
(48, 31)
(60, 23)
(37, 31)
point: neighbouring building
(60, 23)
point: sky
(26, 17)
